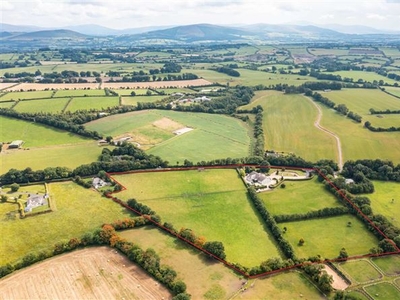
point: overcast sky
(121, 14)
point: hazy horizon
(119, 14)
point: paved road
(318, 125)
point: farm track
(318, 125)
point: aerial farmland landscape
(199, 150)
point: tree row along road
(317, 124)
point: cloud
(376, 17)
(5, 5)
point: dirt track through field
(318, 125)
(91, 273)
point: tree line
(369, 126)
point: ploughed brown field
(91, 273)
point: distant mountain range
(255, 33)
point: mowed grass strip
(213, 204)
(386, 201)
(383, 290)
(35, 135)
(288, 123)
(360, 270)
(87, 103)
(43, 105)
(39, 158)
(26, 95)
(327, 236)
(390, 265)
(80, 93)
(298, 197)
(202, 275)
(360, 143)
(78, 210)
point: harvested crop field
(52, 86)
(91, 273)
(4, 85)
(156, 84)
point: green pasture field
(72, 206)
(297, 50)
(42, 105)
(282, 286)
(361, 100)
(390, 51)
(358, 142)
(358, 295)
(214, 136)
(385, 120)
(390, 265)
(79, 93)
(288, 126)
(6, 104)
(393, 90)
(148, 54)
(367, 76)
(381, 200)
(6, 56)
(298, 197)
(323, 51)
(127, 92)
(383, 290)
(213, 203)
(39, 158)
(83, 103)
(143, 99)
(26, 95)
(327, 236)
(35, 135)
(246, 50)
(32, 69)
(201, 275)
(360, 271)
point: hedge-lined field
(43, 105)
(79, 93)
(381, 200)
(82, 103)
(26, 95)
(360, 271)
(212, 203)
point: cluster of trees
(28, 175)
(319, 276)
(271, 264)
(361, 184)
(227, 70)
(369, 126)
(259, 133)
(321, 213)
(70, 122)
(383, 112)
(394, 76)
(374, 169)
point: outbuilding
(15, 144)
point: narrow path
(318, 125)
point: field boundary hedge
(234, 267)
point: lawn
(381, 200)
(83, 103)
(79, 93)
(360, 271)
(383, 290)
(288, 126)
(288, 285)
(35, 135)
(201, 275)
(39, 158)
(136, 99)
(212, 203)
(390, 265)
(43, 105)
(327, 236)
(360, 143)
(70, 219)
(213, 136)
(26, 95)
(298, 197)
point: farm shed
(15, 144)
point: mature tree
(4, 198)
(343, 254)
(342, 108)
(14, 187)
(216, 248)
